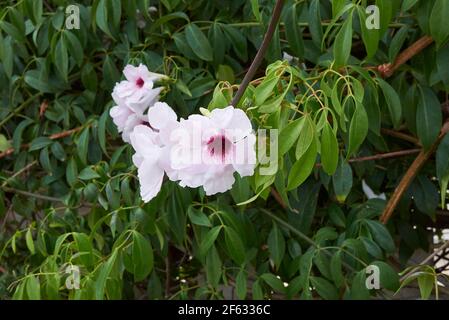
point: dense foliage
(304, 229)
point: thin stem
(260, 53)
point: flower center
(219, 146)
(140, 82)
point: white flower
(133, 97)
(126, 120)
(150, 157)
(206, 151)
(137, 90)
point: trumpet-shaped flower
(133, 97)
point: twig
(260, 53)
(18, 173)
(407, 179)
(55, 136)
(33, 195)
(400, 135)
(387, 70)
(380, 156)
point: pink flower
(207, 151)
(137, 90)
(126, 120)
(150, 157)
(199, 151)
(133, 97)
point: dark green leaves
(276, 245)
(142, 256)
(209, 240)
(303, 167)
(329, 150)
(293, 31)
(428, 117)
(40, 143)
(289, 135)
(343, 43)
(438, 22)
(442, 167)
(235, 245)
(358, 129)
(198, 42)
(342, 181)
(393, 102)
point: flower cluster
(133, 97)
(200, 151)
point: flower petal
(150, 179)
(160, 115)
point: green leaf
(289, 135)
(302, 168)
(104, 271)
(33, 288)
(88, 174)
(213, 267)
(442, 167)
(58, 151)
(393, 102)
(265, 89)
(61, 58)
(84, 245)
(426, 283)
(142, 256)
(381, 235)
(389, 278)
(359, 291)
(198, 217)
(438, 24)
(255, 9)
(329, 150)
(342, 181)
(293, 31)
(314, 17)
(386, 14)
(4, 143)
(306, 137)
(428, 117)
(101, 17)
(358, 129)
(273, 282)
(276, 245)
(343, 43)
(235, 246)
(335, 268)
(209, 240)
(74, 47)
(40, 143)
(324, 288)
(198, 42)
(71, 172)
(29, 241)
(83, 144)
(240, 284)
(102, 131)
(397, 42)
(370, 37)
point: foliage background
(69, 193)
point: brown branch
(55, 136)
(278, 198)
(407, 179)
(260, 53)
(400, 135)
(387, 70)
